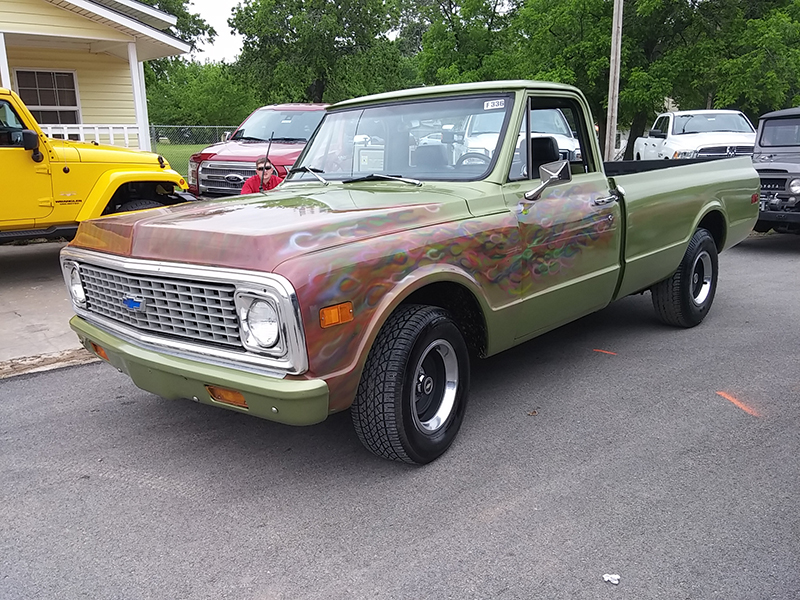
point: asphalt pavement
(612, 445)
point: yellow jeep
(48, 186)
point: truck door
(654, 146)
(570, 236)
(26, 192)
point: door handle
(604, 200)
(613, 196)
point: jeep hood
(100, 153)
(260, 231)
(279, 153)
(777, 161)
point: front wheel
(685, 298)
(413, 391)
(139, 205)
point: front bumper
(290, 401)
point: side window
(661, 124)
(10, 126)
(553, 129)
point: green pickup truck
(384, 264)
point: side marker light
(336, 315)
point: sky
(226, 46)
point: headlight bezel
(244, 299)
(794, 186)
(72, 277)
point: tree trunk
(640, 120)
(316, 90)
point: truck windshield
(421, 139)
(707, 122)
(780, 132)
(279, 125)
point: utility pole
(613, 81)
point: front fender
(110, 181)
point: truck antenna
(266, 158)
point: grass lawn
(178, 155)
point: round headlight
(76, 287)
(262, 321)
(794, 186)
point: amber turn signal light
(336, 315)
(100, 352)
(224, 396)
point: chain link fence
(177, 143)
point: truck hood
(100, 153)
(260, 231)
(779, 161)
(694, 141)
(248, 152)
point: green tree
(190, 93)
(313, 50)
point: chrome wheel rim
(435, 386)
(702, 272)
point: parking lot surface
(614, 445)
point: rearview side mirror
(656, 133)
(550, 174)
(30, 141)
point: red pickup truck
(281, 130)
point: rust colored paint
(739, 404)
(605, 352)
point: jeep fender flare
(109, 182)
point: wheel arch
(715, 223)
(434, 286)
(109, 183)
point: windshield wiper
(382, 177)
(245, 138)
(312, 170)
(287, 139)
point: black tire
(685, 298)
(413, 392)
(139, 205)
(473, 156)
(761, 228)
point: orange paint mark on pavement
(605, 352)
(739, 404)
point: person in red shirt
(264, 179)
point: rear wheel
(413, 391)
(685, 298)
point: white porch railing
(115, 135)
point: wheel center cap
(427, 385)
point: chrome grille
(773, 185)
(224, 178)
(722, 151)
(199, 311)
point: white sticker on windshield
(492, 104)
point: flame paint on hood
(259, 232)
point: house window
(51, 96)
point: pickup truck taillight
(193, 167)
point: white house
(77, 64)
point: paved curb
(45, 362)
